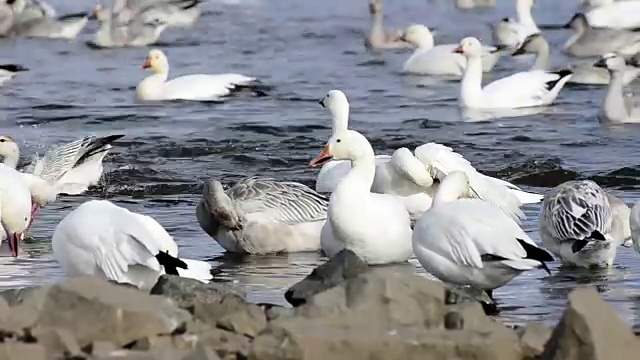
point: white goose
(634, 221)
(614, 14)
(523, 89)
(262, 216)
(197, 87)
(431, 59)
(589, 41)
(101, 239)
(615, 107)
(114, 34)
(472, 242)
(173, 13)
(15, 206)
(9, 71)
(510, 32)
(376, 227)
(578, 225)
(378, 37)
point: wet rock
(20, 351)
(188, 292)
(590, 330)
(202, 353)
(249, 321)
(344, 265)
(533, 337)
(95, 310)
(225, 343)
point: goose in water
(509, 32)
(588, 41)
(470, 4)
(198, 87)
(634, 221)
(262, 216)
(472, 242)
(615, 108)
(430, 59)
(584, 72)
(578, 225)
(9, 71)
(378, 37)
(102, 239)
(134, 33)
(38, 20)
(7, 17)
(173, 13)
(523, 89)
(376, 227)
(614, 14)
(15, 206)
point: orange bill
(322, 157)
(146, 64)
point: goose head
(525, 3)
(8, 148)
(344, 145)
(418, 35)
(578, 22)
(156, 61)
(470, 47)
(336, 102)
(611, 62)
(531, 45)
(453, 187)
(375, 7)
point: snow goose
(262, 216)
(470, 4)
(615, 108)
(102, 239)
(509, 32)
(376, 227)
(634, 221)
(15, 206)
(523, 89)
(588, 41)
(114, 34)
(333, 171)
(577, 224)
(430, 59)
(198, 87)
(7, 19)
(174, 13)
(583, 73)
(9, 71)
(472, 242)
(378, 38)
(37, 20)
(614, 14)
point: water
(304, 49)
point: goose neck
(614, 108)
(471, 85)
(542, 57)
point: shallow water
(304, 48)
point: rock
(155, 354)
(590, 330)
(57, 341)
(20, 351)
(249, 321)
(344, 265)
(202, 353)
(95, 310)
(100, 348)
(225, 343)
(533, 338)
(188, 292)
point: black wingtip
(169, 263)
(578, 245)
(74, 16)
(561, 75)
(98, 145)
(536, 253)
(13, 67)
(499, 48)
(597, 235)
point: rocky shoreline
(345, 310)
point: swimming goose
(472, 242)
(583, 73)
(7, 18)
(9, 71)
(15, 206)
(38, 20)
(577, 224)
(376, 227)
(133, 33)
(470, 4)
(509, 32)
(614, 14)
(634, 220)
(378, 38)
(101, 239)
(616, 108)
(523, 89)
(430, 59)
(262, 216)
(198, 87)
(173, 13)
(588, 41)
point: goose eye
(2, 140)
(338, 140)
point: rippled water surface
(304, 48)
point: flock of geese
(464, 227)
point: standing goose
(523, 89)
(376, 227)
(578, 226)
(471, 241)
(15, 206)
(9, 71)
(588, 41)
(582, 73)
(102, 239)
(615, 108)
(378, 37)
(262, 216)
(431, 59)
(509, 32)
(198, 87)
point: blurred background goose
(174, 13)
(588, 41)
(134, 33)
(9, 71)
(35, 19)
(613, 14)
(378, 37)
(509, 32)
(616, 108)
